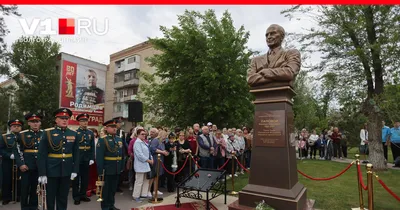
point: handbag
(129, 163)
(151, 174)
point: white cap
(209, 123)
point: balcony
(123, 113)
(124, 99)
(122, 84)
(129, 98)
(131, 66)
(127, 64)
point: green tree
(38, 80)
(305, 106)
(6, 112)
(201, 72)
(360, 45)
(4, 54)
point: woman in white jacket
(312, 142)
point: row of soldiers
(55, 156)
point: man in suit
(278, 66)
(58, 160)
(27, 163)
(109, 153)
(8, 149)
(85, 138)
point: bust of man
(277, 66)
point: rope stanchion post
(370, 187)
(156, 200)
(360, 190)
(233, 192)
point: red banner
(68, 84)
(81, 99)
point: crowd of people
(332, 144)
(208, 147)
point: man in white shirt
(364, 143)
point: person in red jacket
(336, 138)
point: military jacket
(86, 144)
(29, 147)
(109, 154)
(8, 145)
(58, 154)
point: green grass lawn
(353, 151)
(340, 193)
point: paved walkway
(124, 202)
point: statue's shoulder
(292, 52)
(259, 57)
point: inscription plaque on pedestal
(270, 128)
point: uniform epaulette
(49, 129)
(23, 131)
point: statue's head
(274, 36)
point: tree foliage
(304, 104)
(38, 80)
(360, 44)
(201, 72)
(4, 54)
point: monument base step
(236, 206)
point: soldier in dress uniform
(58, 160)
(121, 134)
(27, 163)
(9, 151)
(109, 152)
(85, 138)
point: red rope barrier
(329, 178)
(242, 166)
(223, 166)
(361, 179)
(387, 188)
(175, 173)
(195, 162)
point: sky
(130, 25)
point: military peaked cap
(15, 122)
(33, 116)
(63, 113)
(83, 116)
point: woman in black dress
(182, 151)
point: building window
(132, 91)
(117, 108)
(121, 94)
(127, 76)
(131, 59)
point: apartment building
(123, 80)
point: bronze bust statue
(277, 65)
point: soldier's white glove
(91, 162)
(73, 175)
(42, 179)
(12, 156)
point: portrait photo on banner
(90, 87)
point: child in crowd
(302, 148)
(321, 142)
(328, 149)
